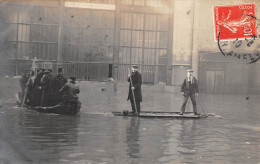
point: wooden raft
(162, 114)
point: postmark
(235, 30)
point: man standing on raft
(135, 93)
(189, 88)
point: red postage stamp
(234, 22)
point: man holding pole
(189, 88)
(135, 92)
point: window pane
(138, 21)
(127, 2)
(149, 56)
(139, 2)
(136, 57)
(162, 24)
(125, 55)
(126, 20)
(125, 38)
(150, 22)
(162, 39)
(137, 39)
(150, 39)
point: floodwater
(96, 136)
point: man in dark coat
(58, 82)
(70, 91)
(135, 82)
(23, 82)
(46, 87)
(26, 84)
(37, 92)
(189, 88)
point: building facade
(96, 39)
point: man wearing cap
(58, 82)
(135, 82)
(70, 91)
(189, 88)
(37, 92)
(24, 81)
(46, 87)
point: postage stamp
(234, 22)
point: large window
(144, 41)
(88, 35)
(143, 38)
(33, 31)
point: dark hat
(73, 78)
(60, 69)
(135, 66)
(42, 69)
(189, 70)
(50, 70)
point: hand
(197, 94)
(40, 88)
(133, 88)
(182, 93)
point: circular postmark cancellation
(235, 30)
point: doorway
(215, 81)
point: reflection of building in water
(94, 39)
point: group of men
(189, 89)
(45, 89)
(48, 90)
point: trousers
(193, 100)
(137, 106)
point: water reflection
(52, 133)
(187, 139)
(37, 138)
(132, 137)
(31, 137)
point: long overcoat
(137, 82)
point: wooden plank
(151, 114)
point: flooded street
(96, 136)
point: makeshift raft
(68, 108)
(152, 114)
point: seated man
(70, 91)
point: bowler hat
(189, 70)
(135, 66)
(60, 69)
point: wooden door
(210, 81)
(215, 81)
(219, 81)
